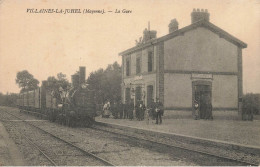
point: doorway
(138, 94)
(127, 95)
(149, 96)
(202, 93)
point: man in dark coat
(126, 108)
(130, 110)
(142, 109)
(196, 110)
(153, 106)
(137, 111)
(120, 109)
(114, 110)
(159, 112)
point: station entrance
(149, 96)
(138, 94)
(202, 93)
(127, 95)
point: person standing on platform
(196, 110)
(126, 108)
(159, 112)
(131, 109)
(153, 107)
(142, 109)
(121, 109)
(137, 111)
(113, 109)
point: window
(150, 61)
(127, 67)
(138, 65)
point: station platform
(226, 127)
(9, 153)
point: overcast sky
(46, 44)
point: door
(202, 94)
(149, 96)
(127, 95)
(138, 94)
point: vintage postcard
(129, 83)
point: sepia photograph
(129, 83)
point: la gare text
(77, 11)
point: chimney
(44, 84)
(148, 35)
(82, 75)
(198, 15)
(173, 26)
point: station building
(200, 61)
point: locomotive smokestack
(75, 80)
(44, 84)
(82, 75)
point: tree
(26, 81)
(112, 82)
(106, 83)
(61, 77)
(251, 103)
(55, 83)
(52, 83)
(8, 99)
(94, 82)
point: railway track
(101, 161)
(33, 144)
(151, 140)
(148, 139)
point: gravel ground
(125, 151)
(108, 147)
(58, 151)
(9, 152)
(115, 149)
(32, 156)
(189, 143)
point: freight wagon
(76, 108)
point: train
(73, 107)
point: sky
(48, 43)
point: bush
(8, 99)
(251, 103)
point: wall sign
(201, 76)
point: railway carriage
(76, 108)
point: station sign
(201, 76)
(138, 77)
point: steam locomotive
(73, 107)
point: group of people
(140, 111)
(131, 111)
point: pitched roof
(201, 23)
